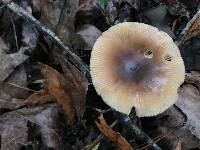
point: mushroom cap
(136, 65)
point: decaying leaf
(10, 61)
(190, 52)
(157, 17)
(192, 28)
(13, 131)
(21, 128)
(43, 122)
(11, 97)
(11, 104)
(189, 104)
(89, 12)
(89, 34)
(112, 135)
(77, 86)
(54, 91)
(69, 90)
(82, 2)
(51, 10)
(13, 86)
(178, 147)
(193, 78)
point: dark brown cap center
(133, 66)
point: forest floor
(47, 100)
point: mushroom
(136, 65)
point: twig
(72, 57)
(135, 131)
(22, 87)
(156, 139)
(99, 110)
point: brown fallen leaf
(178, 147)
(112, 135)
(77, 85)
(68, 90)
(54, 90)
(192, 29)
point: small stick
(135, 131)
(22, 87)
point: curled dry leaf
(69, 90)
(192, 28)
(54, 91)
(112, 135)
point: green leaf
(103, 4)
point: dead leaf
(9, 61)
(175, 121)
(77, 86)
(193, 78)
(192, 28)
(13, 131)
(69, 90)
(112, 10)
(43, 122)
(54, 90)
(89, 12)
(21, 128)
(178, 147)
(82, 1)
(171, 2)
(190, 52)
(10, 72)
(50, 11)
(157, 17)
(29, 35)
(18, 78)
(191, 89)
(11, 104)
(188, 103)
(89, 34)
(112, 135)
